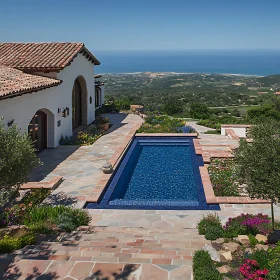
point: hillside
(212, 89)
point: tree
(17, 158)
(173, 106)
(199, 111)
(258, 162)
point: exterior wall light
(90, 100)
(58, 110)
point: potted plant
(102, 123)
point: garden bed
(240, 249)
(164, 124)
(23, 220)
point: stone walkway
(80, 166)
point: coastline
(181, 73)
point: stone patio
(118, 244)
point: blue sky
(144, 24)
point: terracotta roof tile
(42, 56)
(14, 82)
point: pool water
(157, 173)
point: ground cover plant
(223, 177)
(164, 124)
(83, 138)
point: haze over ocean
(260, 63)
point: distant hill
(270, 81)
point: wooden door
(37, 129)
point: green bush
(214, 232)
(9, 244)
(274, 273)
(209, 221)
(42, 228)
(203, 267)
(57, 215)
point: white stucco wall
(23, 108)
(239, 131)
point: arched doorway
(37, 130)
(76, 104)
(79, 103)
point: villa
(48, 89)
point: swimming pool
(157, 173)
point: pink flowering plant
(248, 224)
(223, 177)
(250, 269)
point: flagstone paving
(118, 244)
(80, 166)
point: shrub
(214, 232)
(9, 244)
(57, 215)
(101, 120)
(274, 273)
(211, 226)
(250, 269)
(247, 224)
(83, 138)
(203, 267)
(223, 177)
(17, 156)
(274, 256)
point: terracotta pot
(103, 126)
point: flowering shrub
(247, 224)
(223, 177)
(250, 269)
(188, 129)
(85, 137)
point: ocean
(259, 63)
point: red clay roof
(42, 56)
(14, 82)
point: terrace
(129, 244)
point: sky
(106, 25)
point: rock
(225, 255)
(261, 247)
(248, 251)
(231, 246)
(212, 252)
(224, 269)
(243, 239)
(219, 241)
(261, 238)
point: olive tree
(17, 159)
(258, 162)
